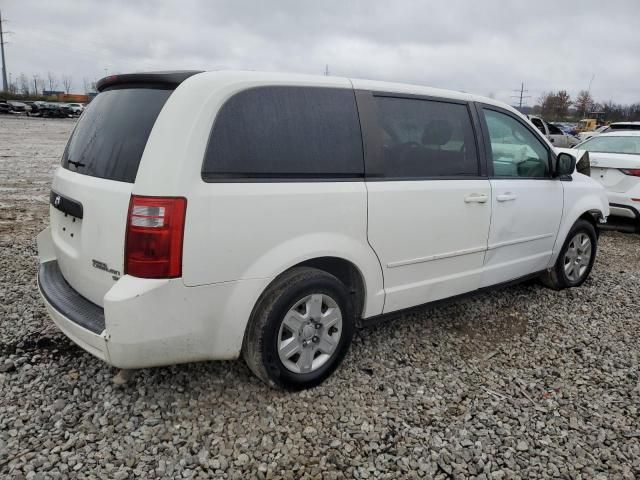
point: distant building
(72, 97)
(51, 93)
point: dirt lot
(520, 383)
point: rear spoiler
(170, 79)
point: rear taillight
(155, 229)
(634, 172)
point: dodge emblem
(56, 202)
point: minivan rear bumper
(149, 322)
(57, 300)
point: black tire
(556, 277)
(260, 348)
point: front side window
(286, 133)
(515, 151)
(612, 144)
(424, 138)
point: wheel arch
(345, 271)
(350, 260)
(588, 207)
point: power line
(521, 94)
(5, 85)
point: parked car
(55, 110)
(616, 126)
(311, 204)
(582, 136)
(568, 128)
(34, 110)
(18, 107)
(553, 133)
(75, 108)
(5, 107)
(612, 127)
(615, 163)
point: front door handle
(506, 197)
(476, 198)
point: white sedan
(615, 163)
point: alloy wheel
(309, 333)
(577, 257)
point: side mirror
(565, 165)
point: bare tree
(67, 81)
(89, 86)
(545, 101)
(52, 81)
(23, 81)
(583, 102)
(38, 83)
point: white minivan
(208, 215)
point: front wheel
(576, 258)
(300, 329)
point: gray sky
(485, 47)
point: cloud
(486, 47)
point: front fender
(581, 195)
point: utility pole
(5, 86)
(520, 94)
(326, 70)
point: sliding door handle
(506, 197)
(476, 198)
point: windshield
(613, 144)
(110, 138)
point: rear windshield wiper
(76, 164)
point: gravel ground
(521, 383)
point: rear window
(286, 133)
(112, 133)
(612, 144)
(628, 126)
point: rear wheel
(300, 329)
(576, 258)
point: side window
(516, 152)
(553, 130)
(538, 123)
(286, 132)
(424, 138)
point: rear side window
(424, 138)
(286, 133)
(112, 133)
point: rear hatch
(91, 192)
